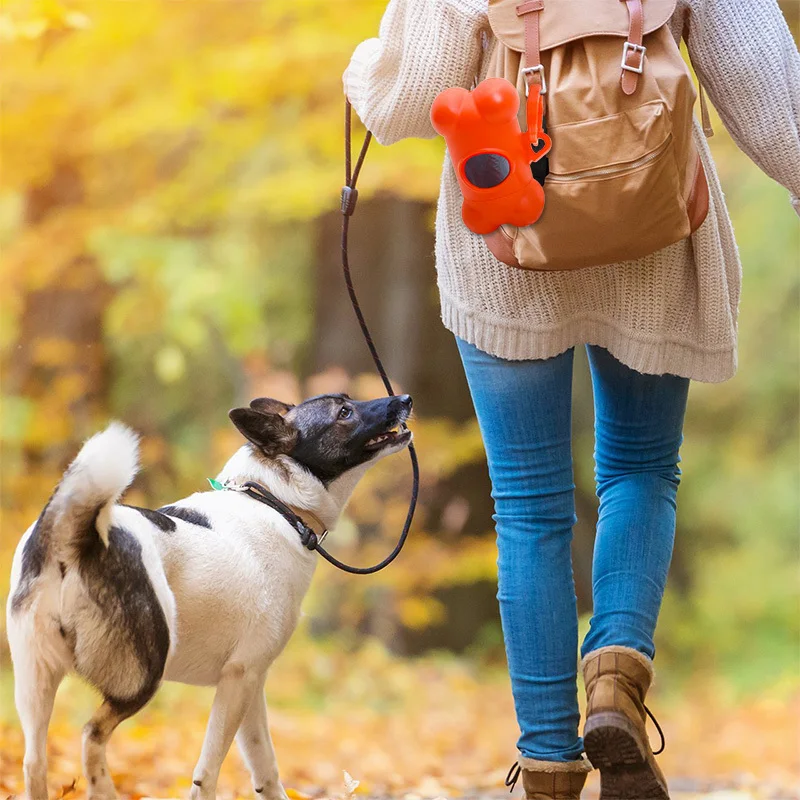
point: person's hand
(362, 55)
(345, 81)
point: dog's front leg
(234, 691)
(255, 745)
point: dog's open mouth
(395, 435)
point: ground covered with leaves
(428, 728)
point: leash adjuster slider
(349, 197)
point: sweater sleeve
(746, 59)
(423, 47)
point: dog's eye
(345, 412)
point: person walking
(649, 326)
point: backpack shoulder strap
(705, 117)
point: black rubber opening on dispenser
(486, 170)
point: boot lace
(513, 775)
(660, 732)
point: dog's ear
(269, 432)
(270, 406)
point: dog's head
(328, 435)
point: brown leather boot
(617, 679)
(550, 780)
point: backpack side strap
(633, 51)
(530, 10)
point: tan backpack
(625, 178)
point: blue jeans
(525, 416)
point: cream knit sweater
(674, 311)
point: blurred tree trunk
(59, 363)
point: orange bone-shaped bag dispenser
(491, 155)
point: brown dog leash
(309, 539)
(349, 198)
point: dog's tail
(80, 508)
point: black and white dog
(206, 591)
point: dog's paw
(37, 791)
(36, 785)
(275, 792)
(203, 790)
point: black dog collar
(308, 537)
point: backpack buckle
(636, 48)
(529, 71)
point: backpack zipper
(596, 173)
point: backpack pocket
(614, 193)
